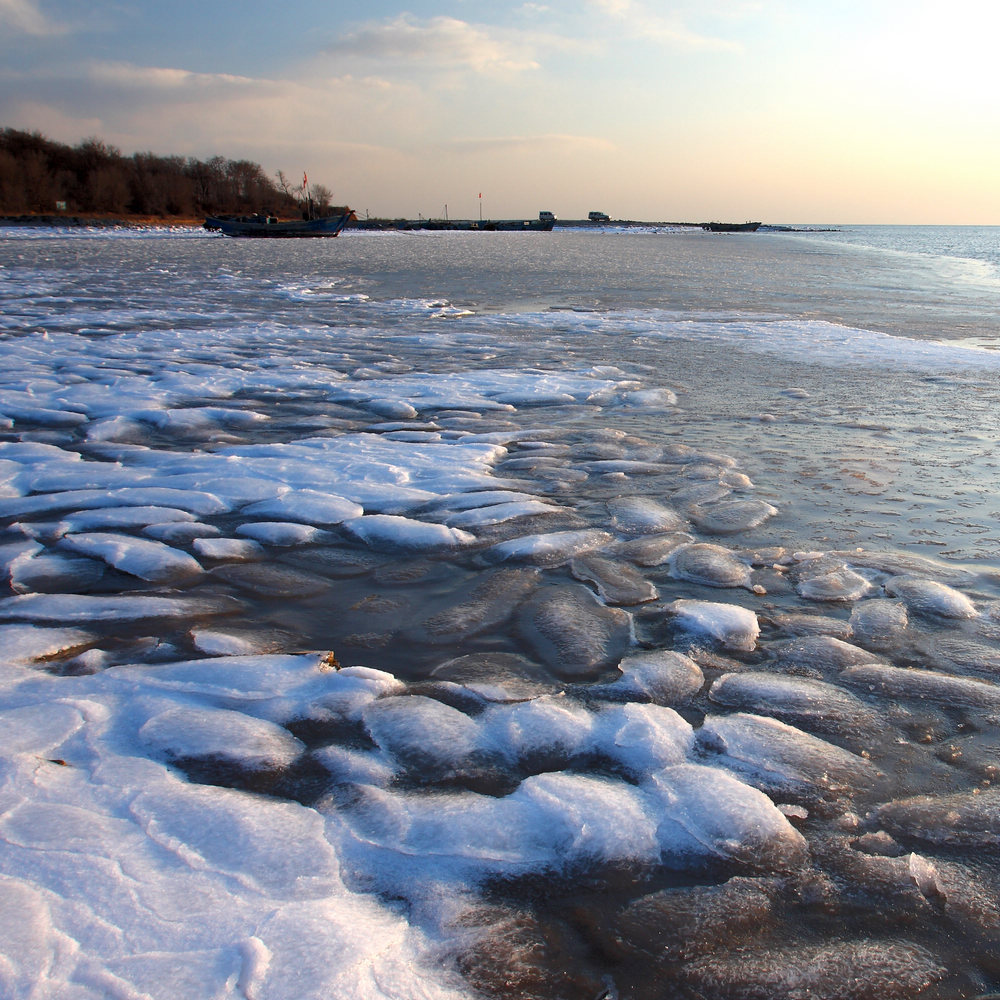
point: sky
(784, 111)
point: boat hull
(730, 227)
(327, 227)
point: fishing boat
(730, 227)
(270, 227)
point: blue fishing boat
(730, 227)
(269, 227)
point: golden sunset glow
(812, 111)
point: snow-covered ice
(360, 644)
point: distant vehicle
(598, 217)
(730, 227)
(546, 217)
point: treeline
(39, 176)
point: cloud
(122, 74)
(668, 29)
(169, 108)
(615, 8)
(55, 122)
(25, 17)
(439, 43)
(535, 143)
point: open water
(605, 612)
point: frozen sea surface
(450, 615)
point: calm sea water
(850, 375)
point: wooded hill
(39, 176)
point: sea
(603, 613)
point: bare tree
(36, 172)
(13, 197)
(285, 185)
(322, 198)
(107, 188)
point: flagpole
(480, 206)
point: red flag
(305, 181)
(480, 194)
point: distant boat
(269, 227)
(730, 227)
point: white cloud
(440, 43)
(534, 143)
(161, 78)
(54, 122)
(669, 29)
(616, 8)
(26, 17)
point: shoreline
(97, 220)
(117, 221)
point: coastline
(98, 221)
(119, 221)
